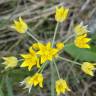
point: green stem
(51, 65)
(55, 32)
(52, 79)
(42, 67)
(32, 36)
(68, 60)
(57, 70)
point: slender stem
(40, 68)
(51, 64)
(68, 38)
(57, 70)
(55, 32)
(68, 60)
(43, 67)
(52, 79)
(32, 36)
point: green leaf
(81, 54)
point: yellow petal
(29, 67)
(24, 64)
(48, 45)
(59, 45)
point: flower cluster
(42, 53)
(35, 80)
(81, 39)
(39, 53)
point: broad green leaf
(81, 54)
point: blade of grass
(51, 64)
(1, 92)
(1, 84)
(9, 86)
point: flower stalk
(56, 28)
(28, 33)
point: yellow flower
(10, 62)
(82, 41)
(61, 86)
(30, 59)
(28, 83)
(59, 46)
(61, 14)
(80, 29)
(88, 68)
(47, 52)
(35, 46)
(35, 80)
(20, 26)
